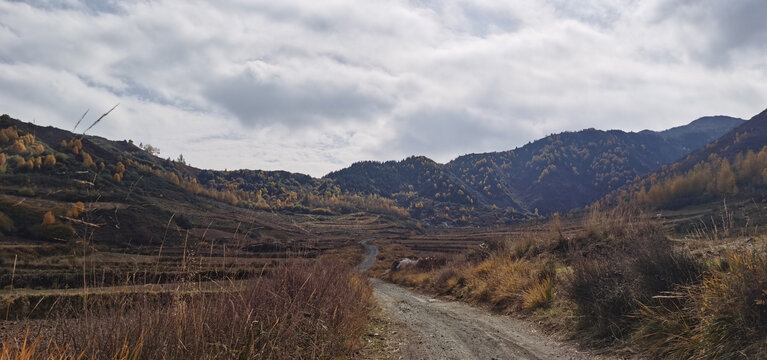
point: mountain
(56, 186)
(556, 173)
(732, 166)
(701, 131)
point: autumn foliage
(49, 218)
(715, 178)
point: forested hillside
(557, 173)
(732, 166)
(56, 184)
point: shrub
(503, 282)
(57, 231)
(27, 191)
(601, 292)
(610, 286)
(6, 224)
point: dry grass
(505, 283)
(301, 310)
(617, 281)
(722, 316)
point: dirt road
(436, 329)
(371, 251)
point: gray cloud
(441, 133)
(312, 86)
(725, 29)
(261, 102)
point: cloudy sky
(312, 86)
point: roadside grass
(300, 310)
(506, 284)
(724, 316)
(618, 282)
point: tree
(181, 159)
(8, 135)
(76, 209)
(725, 180)
(50, 160)
(18, 147)
(49, 219)
(150, 149)
(87, 159)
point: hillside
(730, 167)
(557, 173)
(701, 131)
(122, 195)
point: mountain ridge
(556, 173)
(515, 179)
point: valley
(580, 244)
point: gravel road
(371, 251)
(437, 329)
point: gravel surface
(428, 328)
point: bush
(56, 231)
(610, 288)
(602, 294)
(6, 224)
(182, 221)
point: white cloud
(312, 86)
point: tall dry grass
(493, 274)
(622, 260)
(724, 316)
(298, 311)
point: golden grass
(505, 283)
(539, 295)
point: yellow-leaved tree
(49, 219)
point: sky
(313, 86)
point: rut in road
(435, 329)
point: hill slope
(557, 173)
(58, 186)
(732, 166)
